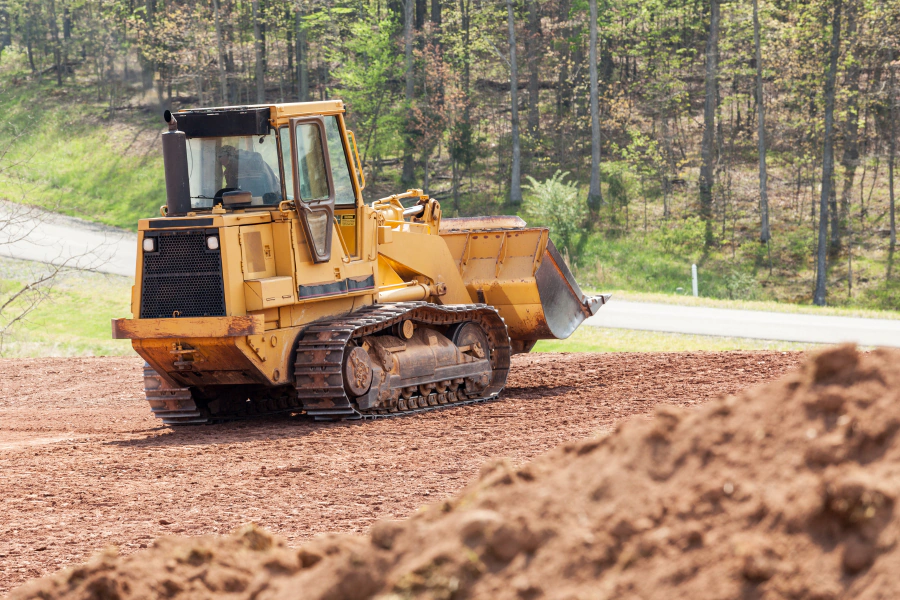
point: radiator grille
(182, 278)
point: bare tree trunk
(709, 120)
(764, 234)
(892, 148)
(257, 50)
(30, 50)
(5, 28)
(223, 85)
(515, 188)
(421, 9)
(532, 49)
(463, 136)
(263, 49)
(850, 157)
(436, 19)
(289, 45)
(465, 9)
(834, 241)
(302, 58)
(408, 163)
(827, 157)
(57, 51)
(562, 80)
(595, 197)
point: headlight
(212, 242)
(149, 244)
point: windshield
(248, 163)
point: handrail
(359, 168)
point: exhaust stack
(178, 189)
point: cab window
(310, 163)
(340, 173)
(248, 163)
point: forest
(754, 138)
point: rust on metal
(481, 224)
(187, 327)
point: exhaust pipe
(178, 186)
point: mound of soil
(786, 490)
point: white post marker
(694, 280)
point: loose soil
(83, 465)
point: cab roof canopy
(225, 121)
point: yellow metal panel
(525, 321)
(456, 244)
(386, 275)
(299, 109)
(499, 266)
(347, 224)
(232, 276)
(255, 217)
(427, 255)
(138, 278)
(306, 312)
(215, 360)
(368, 236)
(186, 327)
(270, 292)
(284, 253)
(335, 269)
(257, 251)
(270, 353)
(261, 356)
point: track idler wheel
(357, 371)
(471, 340)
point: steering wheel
(218, 195)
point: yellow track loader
(267, 284)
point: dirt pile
(787, 490)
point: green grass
(69, 156)
(761, 305)
(74, 320)
(652, 265)
(601, 339)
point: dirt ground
(83, 465)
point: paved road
(53, 238)
(747, 324)
(31, 234)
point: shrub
(740, 286)
(555, 203)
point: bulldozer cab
(255, 158)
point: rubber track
(177, 406)
(320, 354)
(317, 370)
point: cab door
(313, 186)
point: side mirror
(313, 185)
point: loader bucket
(520, 272)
